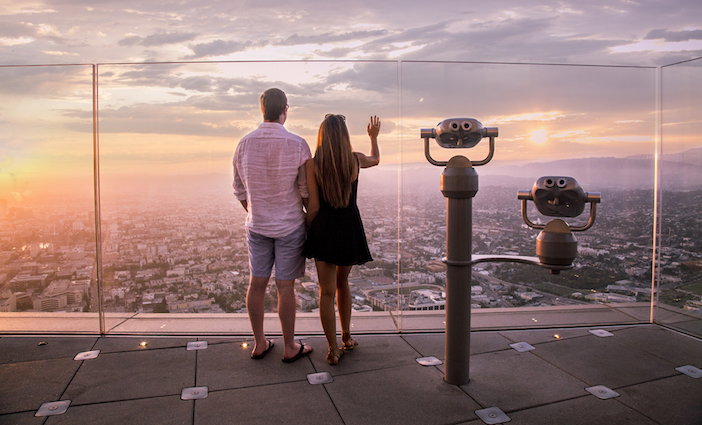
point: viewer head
(334, 160)
(274, 104)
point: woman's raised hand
(374, 127)
(374, 158)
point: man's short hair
(273, 103)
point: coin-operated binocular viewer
(556, 248)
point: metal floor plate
(522, 346)
(320, 378)
(690, 371)
(600, 391)
(601, 333)
(193, 393)
(429, 361)
(197, 345)
(87, 355)
(53, 408)
(492, 415)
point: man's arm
(313, 201)
(238, 185)
(302, 181)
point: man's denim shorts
(284, 252)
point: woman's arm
(374, 158)
(313, 203)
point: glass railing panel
(47, 209)
(596, 124)
(173, 239)
(679, 279)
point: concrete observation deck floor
(651, 369)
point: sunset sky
(624, 32)
(359, 59)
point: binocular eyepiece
(458, 132)
(556, 196)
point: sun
(539, 136)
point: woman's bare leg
(327, 291)
(343, 294)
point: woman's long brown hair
(334, 161)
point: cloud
(12, 29)
(507, 40)
(218, 48)
(47, 82)
(130, 40)
(157, 39)
(14, 41)
(673, 36)
(158, 75)
(337, 53)
(374, 77)
(511, 31)
(328, 38)
(173, 118)
(428, 34)
(205, 78)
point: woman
(335, 236)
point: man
(270, 182)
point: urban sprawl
(187, 254)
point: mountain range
(679, 172)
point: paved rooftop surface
(380, 382)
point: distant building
(610, 298)
(189, 306)
(177, 272)
(22, 282)
(529, 296)
(381, 280)
(305, 302)
(375, 272)
(426, 299)
(59, 295)
(310, 286)
(480, 298)
(123, 274)
(361, 308)
(693, 305)
(436, 266)
(8, 302)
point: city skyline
(188, 254)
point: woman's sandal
(349, 343)
(333, 358)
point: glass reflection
(173, 239)
(679, 280)
(172, 233)
(47, 214)
(600, 130)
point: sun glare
(539, 136)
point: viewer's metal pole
(459, 184)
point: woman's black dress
(336, 235)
